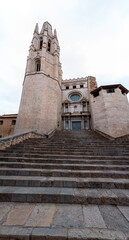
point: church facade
(48, 102)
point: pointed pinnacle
(36, 28)
(42, 30)
(55, 33)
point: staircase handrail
(123, 137)
(17, 138)
(110, 137)
(120, 138)
(50, 133)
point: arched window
(41, 43)
(38, 65)
(49, 45)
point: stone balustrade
(123, 138)
(105, 134)
(17, 138)
(120, 139)
(50, 133)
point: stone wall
(40, 104)
(110, 112)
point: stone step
(64, 173)
(46, 152)
(79, 166)
(62, 148)
(90, 160)
(62, 145)
(66, 145)
(41, 233)
(59, 155)
(39, 221)
(98, 152)
(38, 155)
(65, 195)
(36, 181)
(62, 138)
(63, 153)
(85, 150)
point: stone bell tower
(40, 107)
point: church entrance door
(76, 125)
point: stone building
(110, 110)
(7, 124)
(48, 102)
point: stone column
(86, 107)
(82, 122)
(64, 122)
(88, 123)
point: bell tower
(40, 107)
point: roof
(9, 116)
(124, 90)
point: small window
(110, 90)
(0, 136)
(13, 122)
(38, 65)
(1, 122)
(41, 43)
(123, 92)
(67, 87)
(66, 105)
(49, 46)
(96, 94)
(74, 86)
(81, 86)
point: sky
(93, 37)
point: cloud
(93, 36)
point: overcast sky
(93, 37)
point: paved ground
(65, 219)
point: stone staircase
(70, 169)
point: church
(48, 102)
(64, 169)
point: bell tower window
(49, 46)
(41, 43)
(38, 65)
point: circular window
(75, 97)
